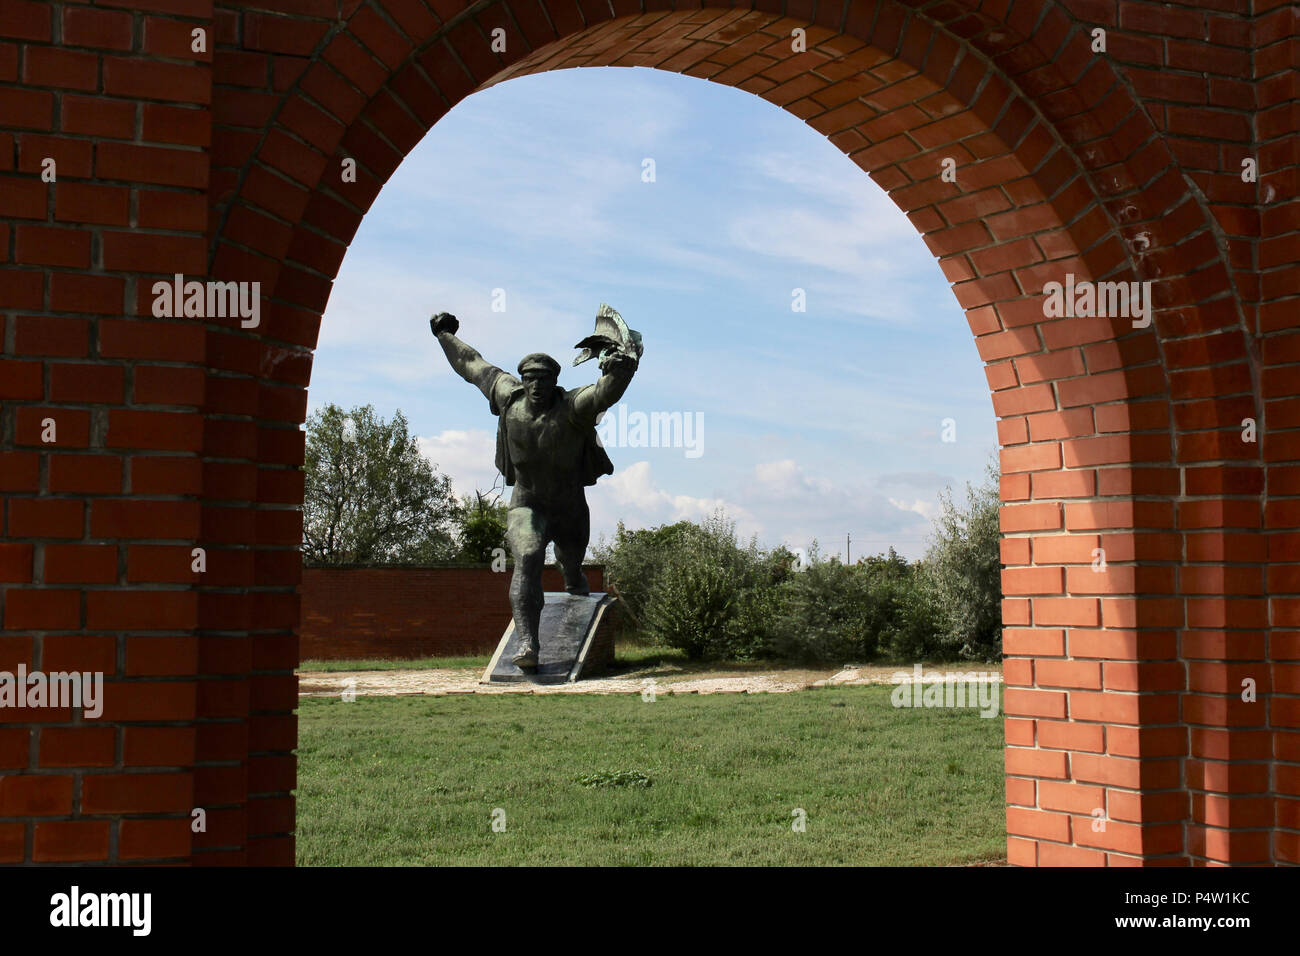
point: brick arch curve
(1122, 686)
(1028, 74)
(1086, 418)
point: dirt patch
(664, 679)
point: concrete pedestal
(572, 640)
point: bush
(825, 615)
(694, 598)
(695, 588)
(907, 614)
(832, 613)
(634, 559)
(702, 593)
(963, 574)
(751, 632)
(914, 635)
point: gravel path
(442, 681)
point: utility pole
(848, 553)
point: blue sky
(815, 423)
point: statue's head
(539, 373)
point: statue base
(576, 636)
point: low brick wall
(363, 613)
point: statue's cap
(539, 360)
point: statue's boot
(577, 584)
(527, 653)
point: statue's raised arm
(465, 361)
(617, 369)
(620, 351)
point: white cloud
(797, 234)
(787, 479)
(468, 457)
(384, 306)
(838, 184)
(926, 509)
(631, 495)
(800, 507)
(780, 502)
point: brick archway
(1124, 686)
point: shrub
(704, 594)
(634, 559)
(825, 615)
(963, 573)
(881, 606)
(695, 588)
(750, 632)
(615, 778)
(695, 595)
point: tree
(964, 571)
(371, 497)
(482, 520)
(634, 560)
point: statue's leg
(572, 533)
(526, 536)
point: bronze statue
(548, 450)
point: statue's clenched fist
(619, 361)
(444, 322)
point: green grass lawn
(400, 664)
(415, 781)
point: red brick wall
(409, 612)
(1124, 687)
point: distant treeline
(695, 587)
